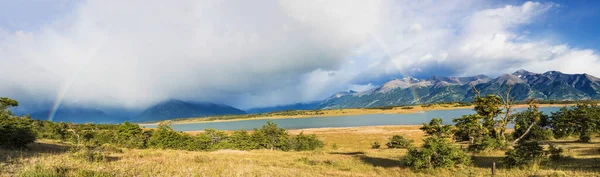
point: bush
(539, 131)
(555, 153)
(436, 128)
(242, 140)
(398, 141)
(487, 143)
(375, 145)
(436, 153)
(90, 155)
(525, 155)
(272, 137)
(16, 132)
(303, 142)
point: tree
(525, 154)
(302, 142)
(468, 128)
(398, 141)
(242, 140)
(436, 153)
(437, 129)
(271, 137)
(129, 135)
(582, 120)
(531, 125)
(15, 132)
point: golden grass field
(347, 153)
(336, 112)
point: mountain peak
(522, 72)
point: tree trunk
(524, 134)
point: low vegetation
(540, 145)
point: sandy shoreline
(348, 112)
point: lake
(339, 121)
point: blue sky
(131, 54)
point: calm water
(340, 121)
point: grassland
(335, 112)
(347, 153)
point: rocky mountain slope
(551, 85)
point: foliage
(437, 129)
(468, 128)
(398, 141)
(242, 140)
(487, 143)
(436, 153)
(271, 137)
(539, 131)
(130, 135)
(375, 145)
(303, 142)
(16, 132)
(582, 120)
(525, 155)
(555, 152)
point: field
(347, 152)
(336, 112)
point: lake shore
(339, 112)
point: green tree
(242, 140)
(302, 142)
(130, 135)
(525, 154)
(582, 120)
(436, 153)
(270, 136)
(531, 124)
(15, 132)
(437, 129)
(398, 141)
(468, 128)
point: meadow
(347, 152)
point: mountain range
(551, 85)
(169, 109)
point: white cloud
(138, 52)
(261, 53)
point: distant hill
(551, 85)
(78, 115)
(297, 106)
(174, 108)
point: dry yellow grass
(352, 157)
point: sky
(132, 54)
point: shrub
(272, 137)
(303, 142)
(129, 135)
(436, 128)
(375, 145)
(436, 153)
(242, 140)
(90, 155)
(16, 132)
(539, 131)
(334, 146)
(525, 155)
(398, 141)
(487, 143)
(555, 153)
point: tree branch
(524, 134)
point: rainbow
(405, 74)
(63, 91)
